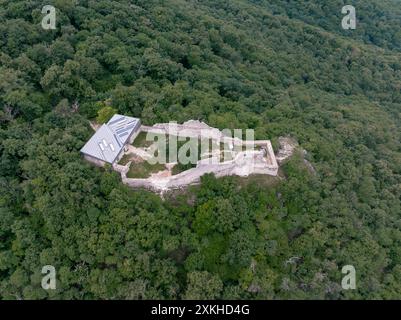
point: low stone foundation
(244, 164)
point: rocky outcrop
(286, 149)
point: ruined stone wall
(242, 165)
(121, 169)
(192, 176)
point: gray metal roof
(108, 141)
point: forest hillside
(283, 68)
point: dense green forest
(279, 67)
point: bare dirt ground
(161, 174)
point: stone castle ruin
(243, 163)
(115, 144)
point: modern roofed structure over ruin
(107, 144)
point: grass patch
(144, 169)
(141, 142)
(156, 149)
(179, 167)
(125, 159)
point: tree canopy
(279, 67)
